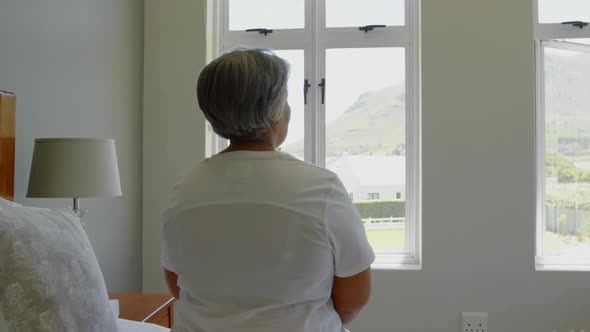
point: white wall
(173, 128)
(76, 68)
(478, 200)
(478, 162)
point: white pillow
(49, 277)
(114, 307)
(6, 204)
(133, 326)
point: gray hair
(243, 92)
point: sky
(290, 14)
(557, 11)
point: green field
(387, 238)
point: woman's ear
(277, 120)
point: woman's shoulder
(228, 166)
(314, 171)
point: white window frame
(549, 34)
(220, 38)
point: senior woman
(256, 240)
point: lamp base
(79, 212)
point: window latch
(306, 86)
(260, 31)
(578, 24)
(368, 28)
(323, 86)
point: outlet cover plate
(474, 322)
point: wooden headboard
(7, 131)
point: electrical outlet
(474, 322)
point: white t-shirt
(256, 239)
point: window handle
(260, 31)
(306, 86)
(578, 24)
(368, 28)
(323, 86)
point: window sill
(562, 264)
(563, 268)
(402, 267)
(396, 261)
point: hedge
(568, 196)
(382, 208)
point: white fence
(384, 223)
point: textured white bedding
(123, 324)
(131, 326)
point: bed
(7, 160)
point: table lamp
(74, 168)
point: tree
(557, 165)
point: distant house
(371, 177)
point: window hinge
(323, 86)
(578, 24)
(260, 31)
(368, 28)
(306, 86)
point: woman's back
(256, 239)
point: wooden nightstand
(144, 307)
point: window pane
(270, 14)
(567, 152)
(365, 136)
(354, 13)
(557, 11)
(294, 142)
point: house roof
(371, 170)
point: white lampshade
(74, 168)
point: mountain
(567, 102)
(373, 124)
